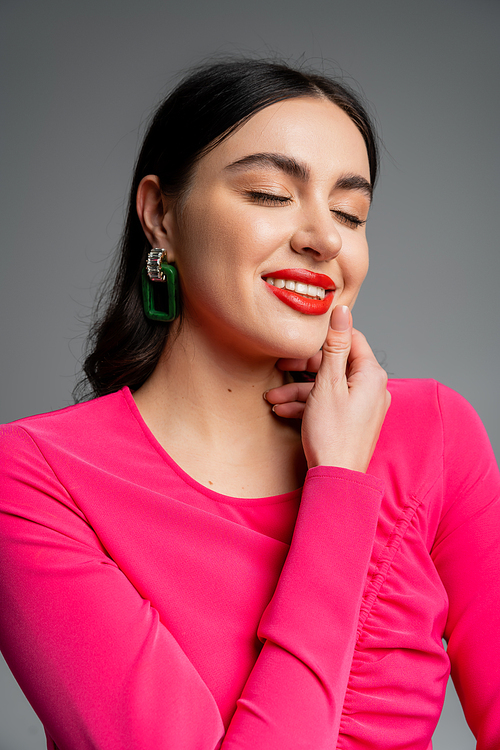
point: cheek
(197, 252)
(235, 238)
(211, 259)
(355, 268)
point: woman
(167, 581)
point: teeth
(308, 290)
(314, 291)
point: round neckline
(216, 496)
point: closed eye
(348, 219)
(268, 199)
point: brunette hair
(207, 106)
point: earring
(158, 270)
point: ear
(156, 214)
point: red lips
(302, 274)
(307, 306)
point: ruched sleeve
(466, 553)
(99, 664)
(309, 627)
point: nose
(317, 235)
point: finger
(292, 365)
(289, 393)
(337, 347)
(361, 353)
(363, 365)
(291, 410)
(301, 365)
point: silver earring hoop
(156, 257)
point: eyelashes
(348, 219)
(269, 199)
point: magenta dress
(142, 611)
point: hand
(343, 411)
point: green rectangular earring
(160, 284)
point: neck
(206, 406)
(209, 390)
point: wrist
(351, 463)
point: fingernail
(264, 395)
(340, 318)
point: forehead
(313, 131)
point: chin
(300, 347)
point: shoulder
(428, 405)
(414, 412)
(71, 424)
(430, 430)
(89, 432)
(84, 412)
(69, 454)
(407, 393)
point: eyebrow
(277, 161)
(355, 182)
(300, 171)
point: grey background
(78, 79)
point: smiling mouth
(305, 291)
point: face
(271, 235)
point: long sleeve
(466, 553)
(90, 653)
(100, 666)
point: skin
(239, 223)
